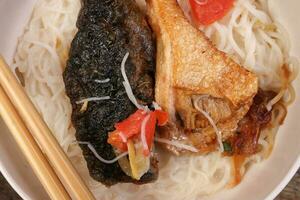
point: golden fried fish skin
(191, 74)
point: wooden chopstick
(41, 132)
(31, 150)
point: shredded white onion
(102, 81)
(123, 137)
(143, 132)
(156, 106)
(176, 144)
(93, 99)
(90, 146)
(128, 87)
(201, 2)
(211, 121)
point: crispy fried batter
(191, 71)
(107, 30)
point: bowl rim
(280, 185)
(16, 187)
(285, 181)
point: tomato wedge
(162, 117)
(116, 141)
(132, 125)
(205, 12)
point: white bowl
(263, 181)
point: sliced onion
(128, 87)
(122, 136)
(201, 2)
(91, 147)
(102, 81)
(139, 163)
(211, 121)
(156, 106)
(93, 99)
(176, 144)
(143, 133)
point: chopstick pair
(26, 125)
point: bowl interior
(263, 181)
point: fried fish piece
(193, 77)
(107, 30)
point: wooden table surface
(291, 192)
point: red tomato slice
(116, 141)
(162, 117)
(146, 152)
(205, 12)
(132, 125)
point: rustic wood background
(291, 192)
